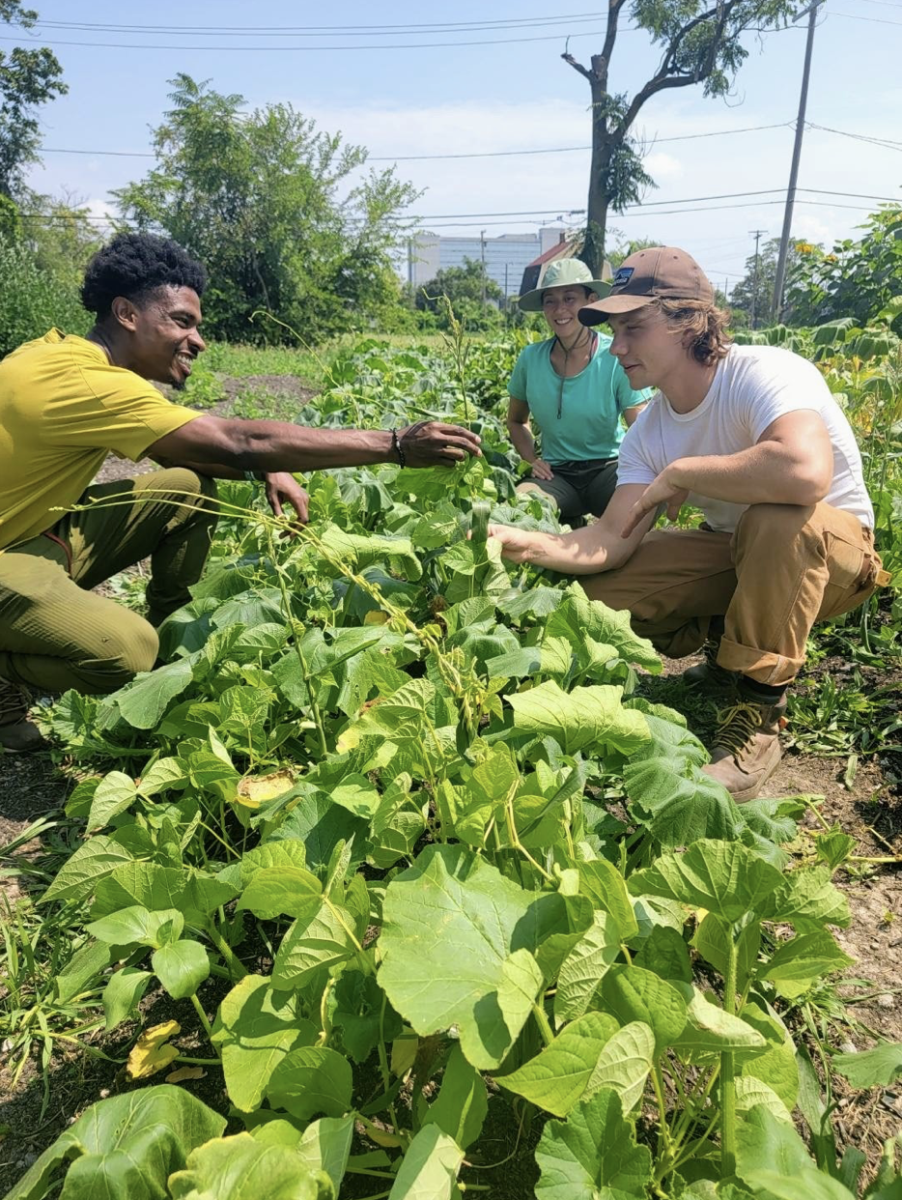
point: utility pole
(777, 303)
(506, 265)
(482, 257)
(756, 234)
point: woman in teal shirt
(576, 393)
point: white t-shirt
(753, 386)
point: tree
(463, 288)
(701, 41)
(753, 292)
(27, 78)
(256, 197)
(858, 279)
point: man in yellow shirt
(65, 403)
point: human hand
(661, 493)
(283, 488)
(541, 470)
(517, 545)
(435, 444)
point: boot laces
(14, 701)
(737, 726)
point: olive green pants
(55, 633)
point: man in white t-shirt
(752, 436)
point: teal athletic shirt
(589, 425)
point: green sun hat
(563, 273)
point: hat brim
(599, 310)
(532, 301)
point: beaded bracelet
(396, 446)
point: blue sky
(442, 98)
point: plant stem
(727, 1071)
(543, 1023)
(198, 1008)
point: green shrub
(34, 298)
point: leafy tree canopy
(857, 278)
(28, 78)
(462, 287)
(278, 213)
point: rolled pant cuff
(761, 665)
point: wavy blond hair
(701, 327)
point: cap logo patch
(622, 276)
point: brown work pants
(55, 632)
(785, 567)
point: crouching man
(65, 403)
(752, 436)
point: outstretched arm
(272, 446)
(601, 546)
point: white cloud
(662, 166)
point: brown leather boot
(17, 734)
(708, 675)
(746, 748)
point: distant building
(506, 257)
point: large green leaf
(124, 1148)
(430, 1166)
(606, 888)
(449, 934)
(143, 702)
(868, 1068)
(181, 967)
(725, 878)
(401, 716)
(764, 1142)
(317, 938)
(680, 803)
(311, 1080)
(92, 862)
(583, 968)
(122, 994)
(778, 1066)
(593, 1150)
(326, 1145)
(710, 1031)
(255, 1028)
(145, 883)
(624, 1063)
(556, 1079)
(114, 794)
(462, 1104)
(634, 994)
(810, 1184)
(240, 1168)
(578, 617)
(589, 716)
(808, 899)
(281, 891)
(796, 966)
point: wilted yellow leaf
(183, 1073)
(376, 617)
(252, 792)
(150, 1054)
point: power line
(244, 49)
(430, 157)
(872, 20)
(883, 143)
(434, 29)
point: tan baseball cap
(662, 272)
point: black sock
(762, 691)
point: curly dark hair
(134, 265)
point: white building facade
(506, 257)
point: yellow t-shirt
(63, 408)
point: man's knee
(122, 651)
(777, 521)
